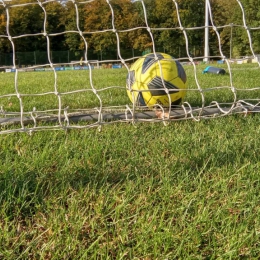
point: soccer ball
(156, 80)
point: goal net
(65, 63)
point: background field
(110, 84)
(189, 190)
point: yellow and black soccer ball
(156, 79)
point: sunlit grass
(188, 190)
(110, 86)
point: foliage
(252, 14)
(95, 20)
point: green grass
(189, 190)
(244, 77)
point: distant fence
(34, 58)
(74, 67)
(50, 69)
(40, 57)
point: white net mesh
(49, 96)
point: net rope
(62, 117)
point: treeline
(28, 23)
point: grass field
(188, 190)
(110, 86)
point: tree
(252, 15)
(73, 40)
(234, 39)
(5, 45)
(55, 24)
(165, 15)
(96, 20)
(25, 21)
(221, 12)
(100, 21)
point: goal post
(88, 92)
